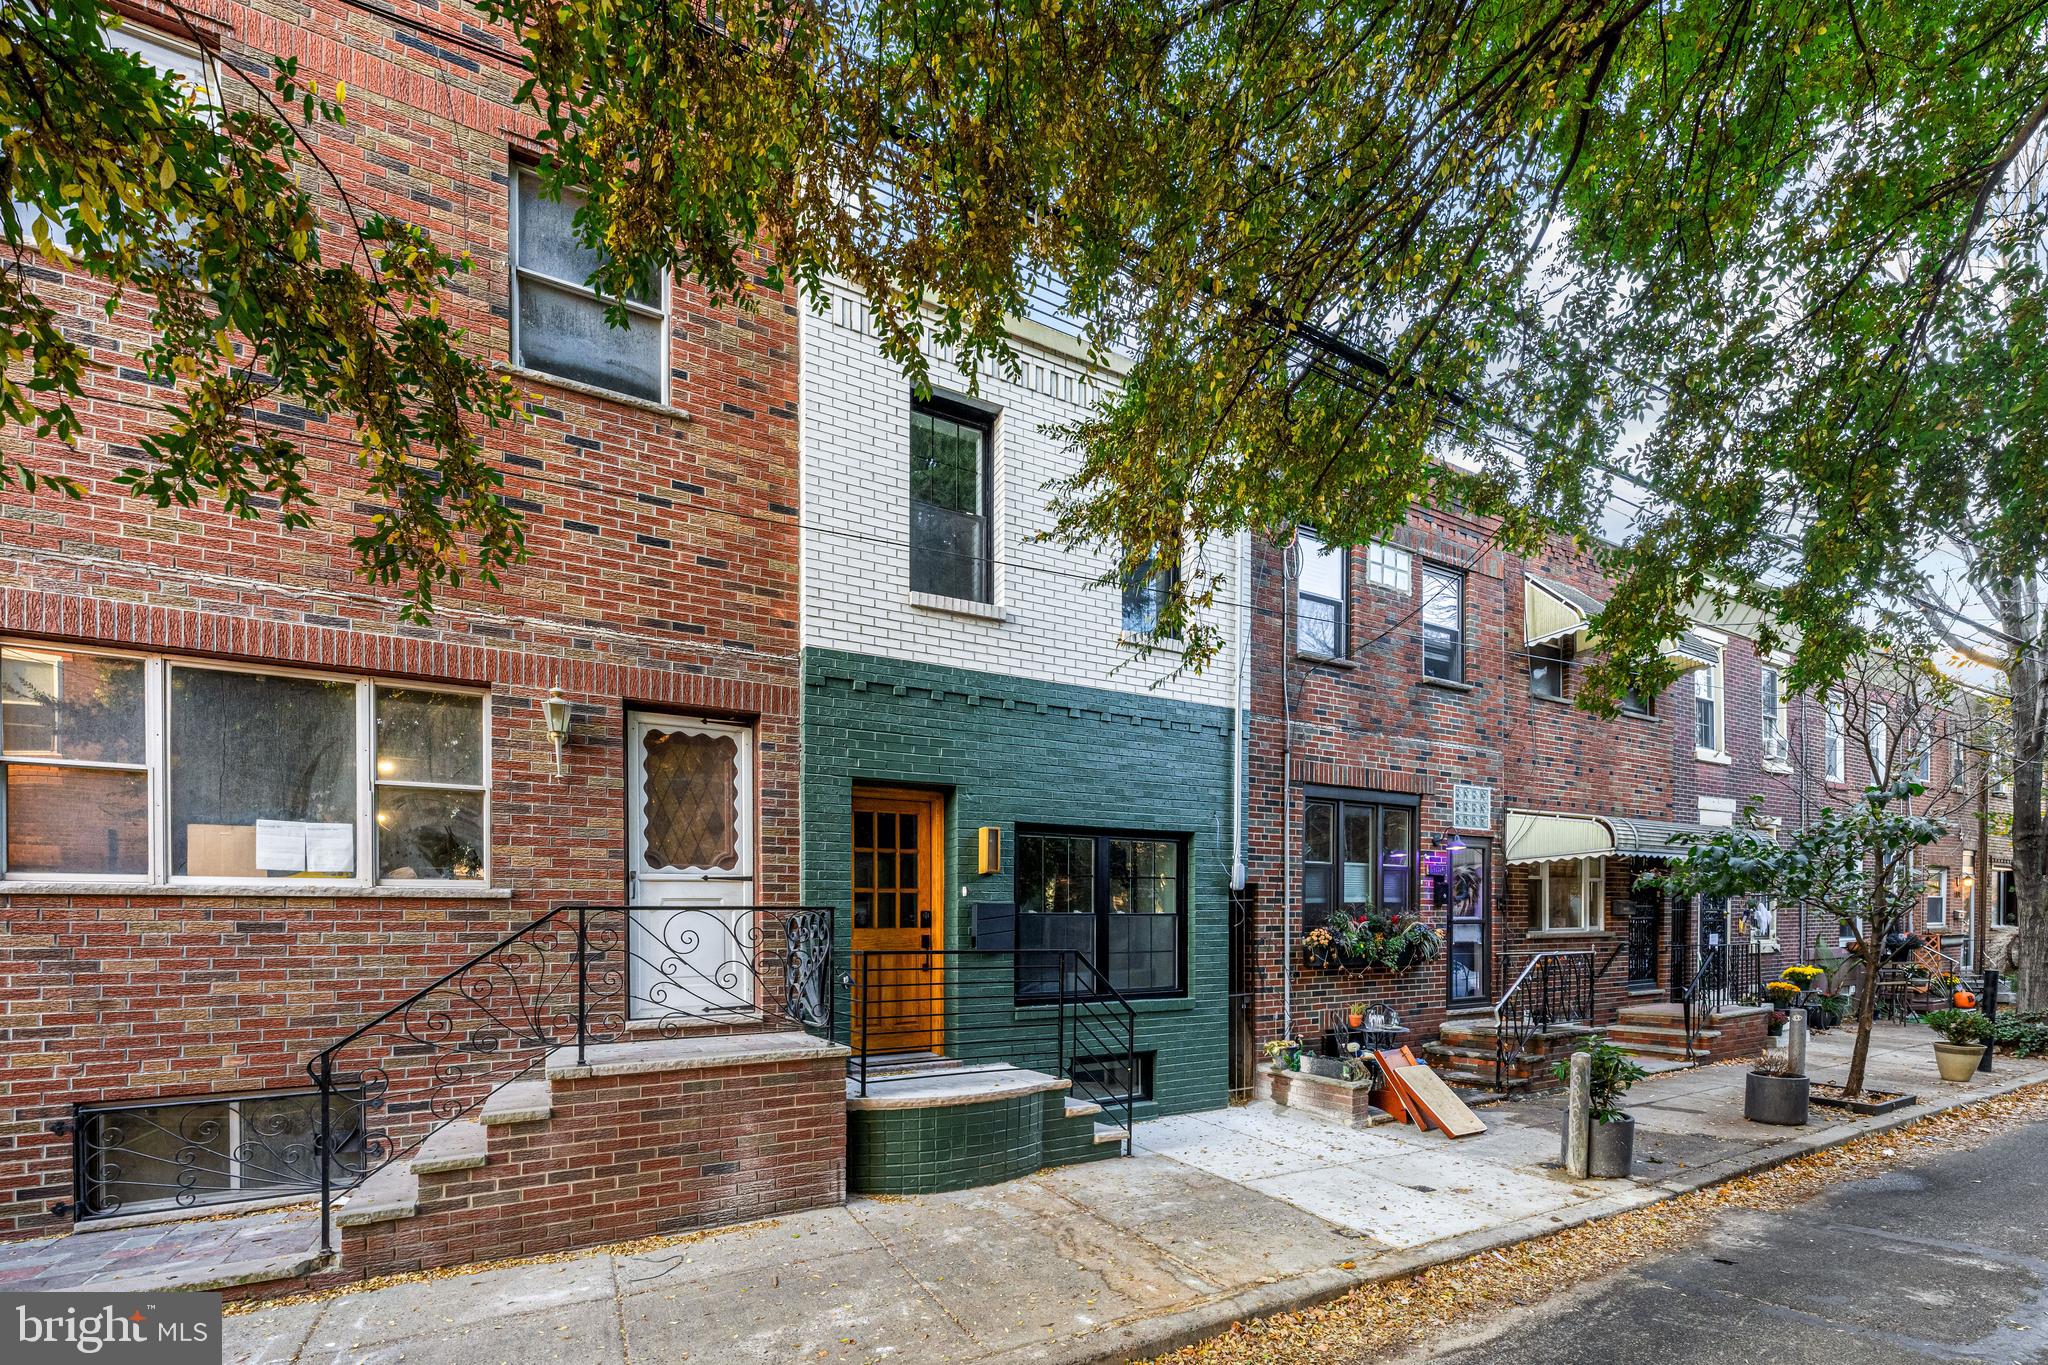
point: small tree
(1855, 865)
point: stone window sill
(1449, 684)
(244, 890)
(1713, 756)
(578, 387)
(1773, 766)
(958, 606)
(1325, 660)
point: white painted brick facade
(1055, 624)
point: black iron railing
(1551, 989)
(908, 1013)
(577, 976)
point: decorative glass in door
(1471, 894)
(690, 940)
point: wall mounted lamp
(555, 712)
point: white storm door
(690, 868)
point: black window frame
(2005, 910)
(1457, 579)
(1342, 604)
(983, 421)
(1085, 988)
(1341, 798)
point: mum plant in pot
(1612, 1151)
(1964, 1033)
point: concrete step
(388, 1195)
(1643, 1034)
(1110, 1132)
(519, 1102)
(457, 1146)
(1668, 1052)
(1081, 1109)
(956, 1086)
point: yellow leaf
(167, 175)
(340, 91)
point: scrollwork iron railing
(1642, 947)
(577, 976)
(1551, 989)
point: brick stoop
(923, 1130)
(639, 1139)
(1656, 1032)
(1463, 1054)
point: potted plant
(1612, 1151)
(1964, 1033)
(1355, 1016)
(1284, 1053)
(1805, 975)
(1775, 1093)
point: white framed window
(1877, 721)
(1320, 601)
(143, 769)
(1774, 731)
(1923, 763)
(558, 320)
(1389, 566)
(1937, 898)
(1958, 762)
(1568, 896)
(1706, 708)
(1834, 751)
(2005, 911)
(1145, 593)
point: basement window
(1114, 1080)
(181, 1154)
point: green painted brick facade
(961, 1146)
(1010, 751)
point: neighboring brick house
(248, 805)
(989, 756)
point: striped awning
(1553, 611)
(1537, 838)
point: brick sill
(244, 891)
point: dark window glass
(1358, 856)
(1145, 594)
(1120, 900)
(1443, 624)
(1547, 669)
(949, 505)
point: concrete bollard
(1578, 1118)
(1795, 1042)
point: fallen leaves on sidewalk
(1375, 1318)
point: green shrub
(1958, 1026)
(1614, 1071)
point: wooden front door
(898, 922)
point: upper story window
(1706, 708)
(952, 512)
(1389, 566)
(1549, 667)
(558, 321)
(1320, 597)
(1937, 898)
(1443, 624)
(1923, 762)
(1145, 591)
(1958, 762)
(1774, 732)
(1834, 752)
(140, 769)
(1876, 730)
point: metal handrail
(980, 1018)
(566, 978)
(1572, 1004)
(1709, 978)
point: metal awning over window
(1552, 612)
(1534, 838)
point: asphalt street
(1945, 1258)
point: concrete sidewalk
(1220, 1215)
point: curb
(1169, 1332)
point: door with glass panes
(898, 922)
(690, 868)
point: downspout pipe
(1242, 702)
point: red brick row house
(247, 805)
(1416, 754)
